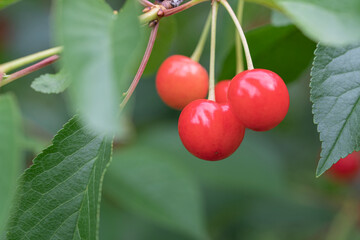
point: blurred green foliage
(155, 189)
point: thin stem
(238, 46)
(215, 8)
(200, 46)
(29, 70)
(146, 3)
(20, 62)
(143, 64)
(250, 65)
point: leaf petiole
(20, 62)
(28, 70)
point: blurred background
(154, 188)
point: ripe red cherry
(180, 80)
(259, 99)
(209, 130)
(221, 91)
(346, 169)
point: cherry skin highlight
(180, 80)
(221, 91)
(209, 130)
(259, 98)
(346, 169)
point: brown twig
(182, 7)
(146, 3)
(30, 69)
(143, 64)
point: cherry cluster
(256, 99)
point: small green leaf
(150, 183)
(100, 49)
(284, 50)
(58, 196)
(335, 93)
(51, 83)
(5, 3)
(331, 22)
(10, 154)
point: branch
(158, 11)
(146, 3)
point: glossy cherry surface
(221, 91)
(180, 80)
(259, 98)
(209, 130)
(346, 169)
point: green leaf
(284, 50)
(51, 83)
(331, 22)
(10, 153)
(149, 182)
(59, 195)
(99, 51)
(279, 20)
(335, 93)
(5, 3)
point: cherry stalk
(143, 64)
(228, 8)
(215, 8)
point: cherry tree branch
(146, 3)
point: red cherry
(259, 99)
(209, 130)
(221, 91)
(346, 169)
(180, 80)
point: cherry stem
(142, 66)
(201, 44)
(146, 3)
(250, 65)
(20, 62)
(238, 46)
(29, 70)
(215, 7)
